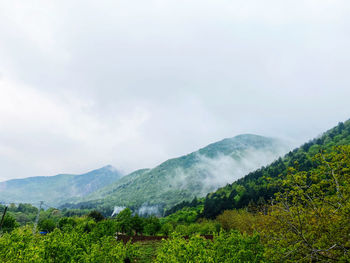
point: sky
(132, 83)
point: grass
(147, 251)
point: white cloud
(131, 83)
(46, 133)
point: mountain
(188, 176)
(258, 187)
(56, 189)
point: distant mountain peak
(109, 167)
(59, 188)
(105, 169)
(194, 174)
(250, 136)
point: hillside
(188, 176)
(260, 186)
(56, 189)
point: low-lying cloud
(208, 174)
(148, 210)
(117, 210)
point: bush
(9, 223)
(226, 247)
(59, 246)
(47, 225)
(152, 226)
(96, 215)
(67, 223)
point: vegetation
(261, 185)
(178, 179)
(225, 247)
(308, 221)
(311, 216)
(295, 210)
(9, 223)
(56, 190)
(62, 246)
(299, 204)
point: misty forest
(174, 131)
(293, 209)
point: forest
(175, 131)
(295, 210)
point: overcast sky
(133, 82)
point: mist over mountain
(53, 190)
(188, 176)
(254, 187)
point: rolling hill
(56, 189)
(260, 186)
(185, 177)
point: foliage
(204, 227)
(175, 180)
(152, 226)
(102, 228)
(194, 203)
(96, 215)
(310, 221)
(137, 224)
(262, 184)
(23, 213)
(124, 221)
(146, 251)
(67, 223)
(167, 229)
(235, 247)
(26, 214)
(301, 214)
(62, 246)
(75, 212)
(107, 250)
(9, 223)
(186, 215)
(226, 247)
(47, 225)
(240, 220)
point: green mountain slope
(188, 176)
(56, 189)
(261, 185)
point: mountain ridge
(260, 185)
(61, 174)
(55, 189)
(184, 177)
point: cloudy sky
(131, 83)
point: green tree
(9, 223)
(96, 215)
(66, 223)
(226, 247)
(152, 225)
(167, 229)
(137, 224)
(310, 221)
(47, 225)
(60, 246)
(124, 221)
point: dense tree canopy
(312, 213)
(262, 183)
